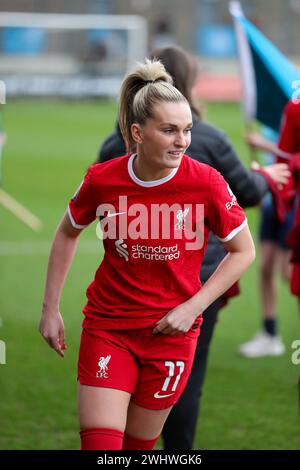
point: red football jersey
(155, 235)
(289, 141)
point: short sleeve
(82, 207)
(225, 217)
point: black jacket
(209, 145)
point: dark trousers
(179, 429)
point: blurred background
(96, 58)
(62, 75)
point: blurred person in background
(163, 35)
(211, 146)
(294, 235)
(275, 240)
(274, 246)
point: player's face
(164, 138)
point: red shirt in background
(289, 141)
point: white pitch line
(42, 248)
(20, 211)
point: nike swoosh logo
(113, 214)
(157, 395)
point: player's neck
(146, 172)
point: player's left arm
(241, 253)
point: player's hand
(53, 331)
(279, 172)
(255, 140)
(177, 321)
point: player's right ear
(136, 133)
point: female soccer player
(145, 304)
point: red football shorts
(153, 368)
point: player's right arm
(81, 212)
(61, 255)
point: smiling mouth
(176, 153)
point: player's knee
(92, 422)
(90, 419)
(267, 269)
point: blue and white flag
(269, 79)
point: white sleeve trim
(234, 232)
(73, 221)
